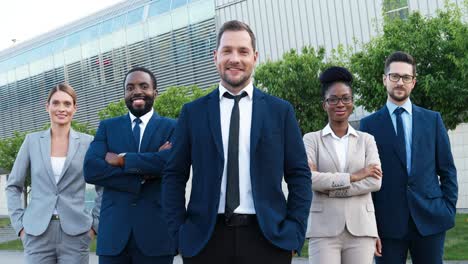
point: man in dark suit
(127, 157)
(241, 143)
(417, 202)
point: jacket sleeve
(323, 181)
(445, 166)
(368, 184)
(175, 177)
(15, 185)
(297, 176)
(98, 172)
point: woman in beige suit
(345, 170)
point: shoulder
(366, 137)
(84, 137)
(312, 137)
(165, 120)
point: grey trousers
(54, 246)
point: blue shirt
(406, 117)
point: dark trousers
(241, 243)
(423, 249)
(132, 255)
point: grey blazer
(338, 203)
(67, 195)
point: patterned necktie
(232, 182)
(136, 132)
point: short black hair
(333, 75)
(235, 25)
(400, 56)
(142, 69)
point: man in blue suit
(127, 157)
(241, 143)
(417, 202)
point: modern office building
(175, 39)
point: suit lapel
(418, 131)
(150, 130)
(352, 147)
(73, 146)
(389, 131)
(127, 137)
(258, 116)
(45, 146)
(214, 120)
(328, 145)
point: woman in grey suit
(55, 227)
(345, 170)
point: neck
(59, 131)
(399, 103)
(339, 128)
(235, 90)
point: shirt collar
(327, 130)
(144, 118)
(407, 106)
(248, 89)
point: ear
(47, 107)
(383, 78)
(255, 56)
(215, 56)
(324, 105)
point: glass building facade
(173, 38)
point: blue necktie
(136, 132)
(401, 133)
(232, 181)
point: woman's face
(61, 108)
(338, 102)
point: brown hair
(400, 56)
(235, 25)
(64, 87)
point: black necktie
(400, 133)
(232, 182)
(136, 132)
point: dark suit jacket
(431, 204)
(128, 206)
(276, 149)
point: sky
(25, 19)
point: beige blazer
(337, 203)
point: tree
(295, 79)
(439, 45)
(167, 104)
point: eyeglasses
(335, 100)
(395, 77)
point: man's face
(139, 93)
(235, 59)
(399, 91)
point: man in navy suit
(241, 143)
(417, 202)
(127, 157)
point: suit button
(408, 187)
(133, 204)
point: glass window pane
(72, 40)
(135, 16)
(159, 7)
(118, 23)
(89, 34)
(178, 3)
(106, 27)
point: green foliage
(295, 79)
(170, 102)
(9, 148)
(439, 45)
(167, 104)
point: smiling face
(235, 60)
(339, 112)
(61, 108)
(139, 93)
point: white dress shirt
(144, 121)
(57, 167)
(245, 121)
(340, 144)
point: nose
(400, 81)
(340, 102)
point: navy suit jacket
(431, 204)
(276, 149)
(128, 206)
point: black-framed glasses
(395, 77)
(335, 100)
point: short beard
(142, 111)
(398, 99)
(235, 84)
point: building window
(396, 9)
